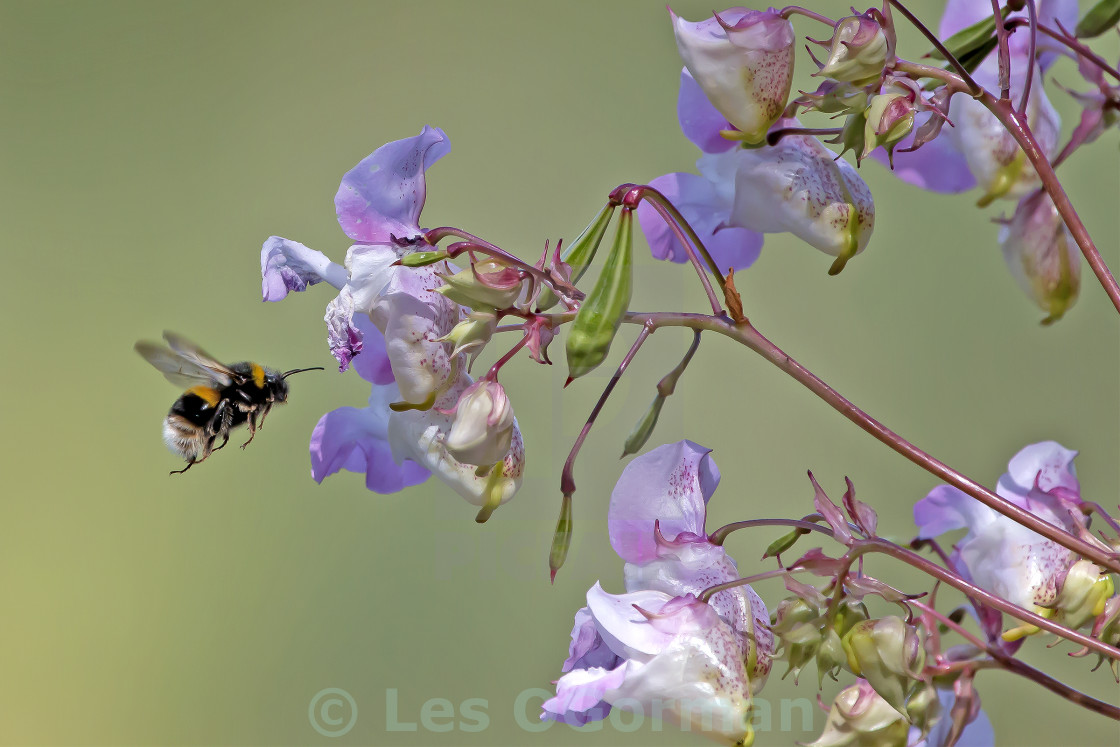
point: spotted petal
(288, 266)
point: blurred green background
(148, 148)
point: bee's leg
(252, 429)
(225, 440)
(264, 411)
(190, 464)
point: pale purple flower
(656, 524)
(743, 60)
(960, 14)
(378, 206)
(1042, 255)
(998, 554)
(656, 654)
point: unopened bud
(833, 97)
(861, 47)
(421, 259)
(472, 334)
(1042, 255)
(859, 717)
(482, 430)
(743, 61)
(485, 285)
(889, 654)
(561, 538)
(796, 623)
(924, 707)
(1084, 593)
(889, 118)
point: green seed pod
(419, 259)
(601, 313)
(579, 254)
(562, 539)
(644, 427)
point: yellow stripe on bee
(258, 375)
(208, 394)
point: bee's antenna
(286, 374)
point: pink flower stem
(1088, 507)
(567, 475)
(630, 195)
(1011, 664)
(745, 334)
(472, 243)
(875, 544)
(492, 374)
(1031, 11)
(970, 84)
(791, 10)
(1017, 125)
(1004, 54)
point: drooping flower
(657, 654)
(743, 61)
(482, 430)
(656, 524)
(378, 206)
(1000, 555)
(1042, 255)
(797, 186)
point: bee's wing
(192, 353)
(177, 369)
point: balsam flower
(1042, 255)
(657, 654)
(482, 430)
(656, 524)
(998, 554)
(743, 61)
(797, 186)
(378, 206)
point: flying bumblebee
(219, 397)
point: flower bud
(601, 312)
(485, 285)
(1042, 255)
(743, 61)
(482, 430)
(860, 718)
(833, 97)
(889, 118)
(643, 429)
(861, 47)
(472, 334)
(889, 654)
(924, 707)
(1084, 593)
(797, 624)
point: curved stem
(747, 335)
(973, 87)
(860, 547)
(1032, 12)
(1004, 53)
(1011, 664)
(1070, 41)
(790, 10)
(1017, 126)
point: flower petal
(937, 166)
(671, 485)
(290, 266)
(624, 629)
(344, 338)
(355, 440)
(700, 203)
(384, 194)
(588, 649)
(700, 121)
(579, 694)
(1048, 462)
(373, 363)
(946, 509)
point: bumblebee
(219, 397)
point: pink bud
(1042, 255)
(482, 431)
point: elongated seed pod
(601, 313)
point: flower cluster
(393, 324)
